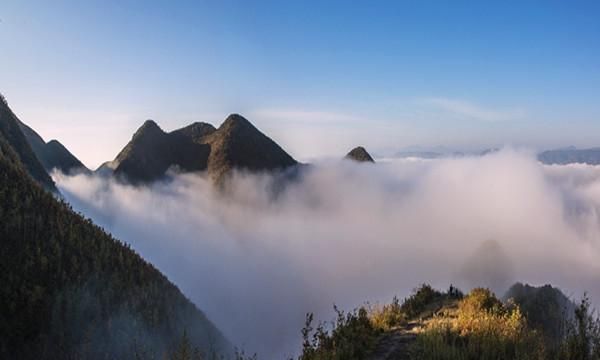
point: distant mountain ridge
(562, 156)
(198, 147)
(448, 154)
(52, 155)
(570, 155)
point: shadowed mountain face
(198, 147)
(52, 155)
(570, 156)
(151, 152)
(359, 154)
(238, 144)
(12, 134)
(71, 291)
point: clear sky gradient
(319, 77)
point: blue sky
(319, 77)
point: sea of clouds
(256, 261)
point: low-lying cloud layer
(347, 233)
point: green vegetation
(388, 316)
(582, 341)
(431, 324)
(352, 337)
(71, 291)
(425, 300)
(481, 328)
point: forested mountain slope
(71, 291)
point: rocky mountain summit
(359, 154)
(198, 147)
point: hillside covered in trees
(71, 291)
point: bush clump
(388, 316)
(352, 337)
(420, 300)
(582, 340)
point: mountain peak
(149, 126)
(199, 147)
(359, 154)
(148, 132)
(150, 123)
(236, 121)
(239, 144)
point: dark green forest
(71, 291)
